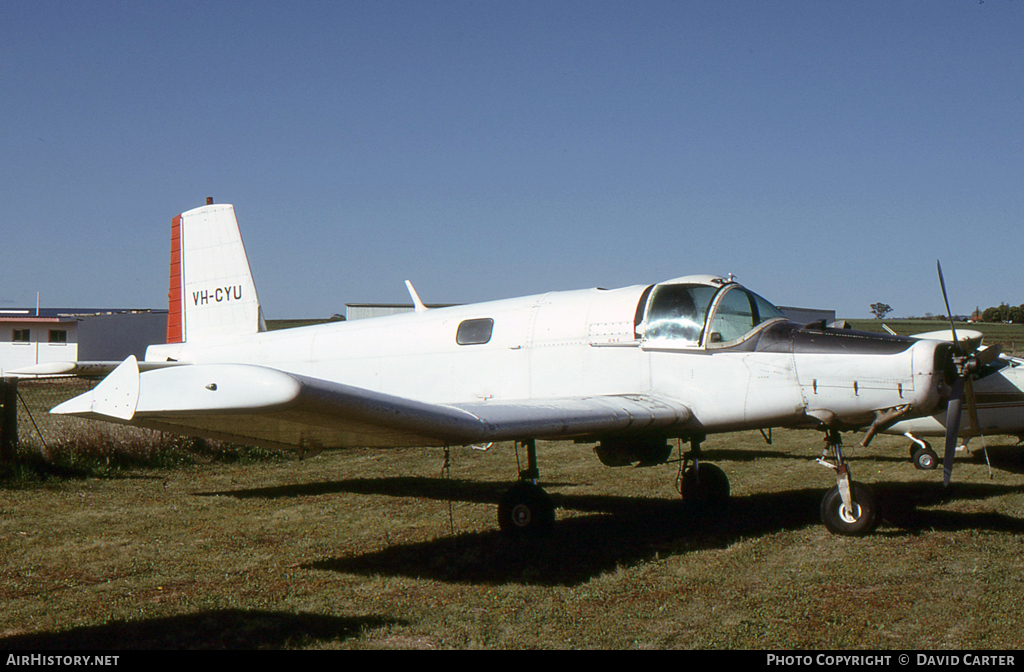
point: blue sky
(826, 153)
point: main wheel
(525, 510)
(863, 517)
(925, 458)
(707, 484)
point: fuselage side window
(677, 312)
(475, 332)
(765, 310)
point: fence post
(8, 419)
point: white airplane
(627, 369)
(995, 404)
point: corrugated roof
(57, 314)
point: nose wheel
(925, 458)
(921, 453)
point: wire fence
(56, 438)
(55, 443)
(37, 427)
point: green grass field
(147, 542)
(377, 549)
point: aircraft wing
(264, 406)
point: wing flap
(574, 417)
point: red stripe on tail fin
(174, 315)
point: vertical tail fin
(212, 294)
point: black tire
(925, 458)
(706, 485)
(864, 518)
(525, 510)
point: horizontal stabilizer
(115, 398)
(192, 390)
(82, 369)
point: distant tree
(1000, 313)
(880, 310)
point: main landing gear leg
(702, 482)
(526, 510)
(849, 508)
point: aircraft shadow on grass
(616, 530)
(222, 629)
(1008, 456)
(1005, 457)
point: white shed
(31, 336)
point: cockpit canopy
(693, 314)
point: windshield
(677, 312)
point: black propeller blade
(949, 313)
(966, 366)
(952, 427)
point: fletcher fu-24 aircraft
(628, 369)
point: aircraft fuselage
(598, 342)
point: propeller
(967, 364)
